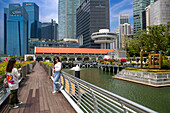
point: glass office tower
(33, 13)
(49, 30)
(16, 30)
(139, 14)
(92, 15)
(67, 18)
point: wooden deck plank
(36, 95)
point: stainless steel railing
(91, 98)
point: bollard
(77, 71)
(77, 74)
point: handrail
(103, 100)
(91, 98)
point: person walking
(56, 75)
(12, 76)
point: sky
(49, 10)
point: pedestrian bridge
(77, 96)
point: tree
(156, 38)
(159, 36)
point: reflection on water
(157, 99)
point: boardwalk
(36, 95)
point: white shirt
(57, 66)
(14, 77)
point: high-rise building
(160, 12)
(139, 14)
(49, 30)
(5, 29)
(15, 30)
(147, 15)
(92, 15)
(124, 27)
(67, 18)
(116, 43)
(33, 13)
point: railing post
(123, 106)
(78, 93)
(50, 71)
(63, 81)
(70, 87)
(95, 102)
(24, 71)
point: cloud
(49, 17)
(123, 7)
(48, 10)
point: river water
(157, 99)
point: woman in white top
(57, 72)
(12, 76)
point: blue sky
(49, 10)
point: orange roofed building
(50, 50)
(44, 53)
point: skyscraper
(49, 30)
(33, 13)
(67, 18)
(139, 14)
(116, 43)
(160, 12)
(124, 27)
(92, 15)
(15, 30)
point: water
(157, 99)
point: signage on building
(28, 4)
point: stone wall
(145, 77)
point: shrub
(107, 63)
(133, 63)
(102, 62)
(166, 64)
(113, 63)
(134, 58)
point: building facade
(49, 30)
(116, 43)
(124, 27)
(92, 15)
(104, 37)
(160, 12)
(67, 18)
(33, 13)
(139, 14)
(15, 30)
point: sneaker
(14, 107)
(19, 103)
(54, 92)
(60, 88)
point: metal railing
(91, 98)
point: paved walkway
(36, 95)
